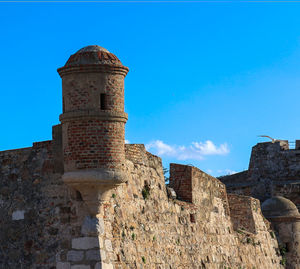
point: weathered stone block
(74, 256)
(63, 265)
(102, 265)
(18, 215)
(108, 245)
(93, 255)
(92, 226)
(81, 266)
(85, 243)
(102, 255)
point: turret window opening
(63, 105)
(103, 101)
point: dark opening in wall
(192, 218)
(103, 101)
(63, 105)
(78, 196)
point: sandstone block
(100, 242)
(102, 255)
(85, 243)
(108, 245)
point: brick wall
(93, 135)
(136, 153)
(194, 186)
(181, 181)
(93, 144)
(241, 212)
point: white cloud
(226, 172)
(196, 151)
(209, 148)
(127, 141)
(161, 148)
(209, 171)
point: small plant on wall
(146, 191)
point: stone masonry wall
(39, 215)
(148, 230)
(82, 91)
(273, 170)
(181, 181)
(189, 183)
(270, 160)
(241, 209)
(44, 224)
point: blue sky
(205, 78)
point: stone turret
(93, 123)
(285, 218)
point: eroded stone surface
(74, 256)
(85, 243)
(81, 266)
(63, 265)
(92, 226)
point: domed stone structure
(93, 123)
(285, 218)
(92, 55)
(279, 206)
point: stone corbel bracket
(94, 185)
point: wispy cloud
(127, 141)
(226, 172)
(195, 151)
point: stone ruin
(87, 200)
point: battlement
(190, 184)
(283, 144)
(242, 209)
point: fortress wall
(136, 153)
(181, 181)
(194, 186)
(273, 170)
(206, 189)
(271, 161)
(289, 190)
(152, 231)
(44, 224)
(235, 178)
(39, 215)
(241, 212)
